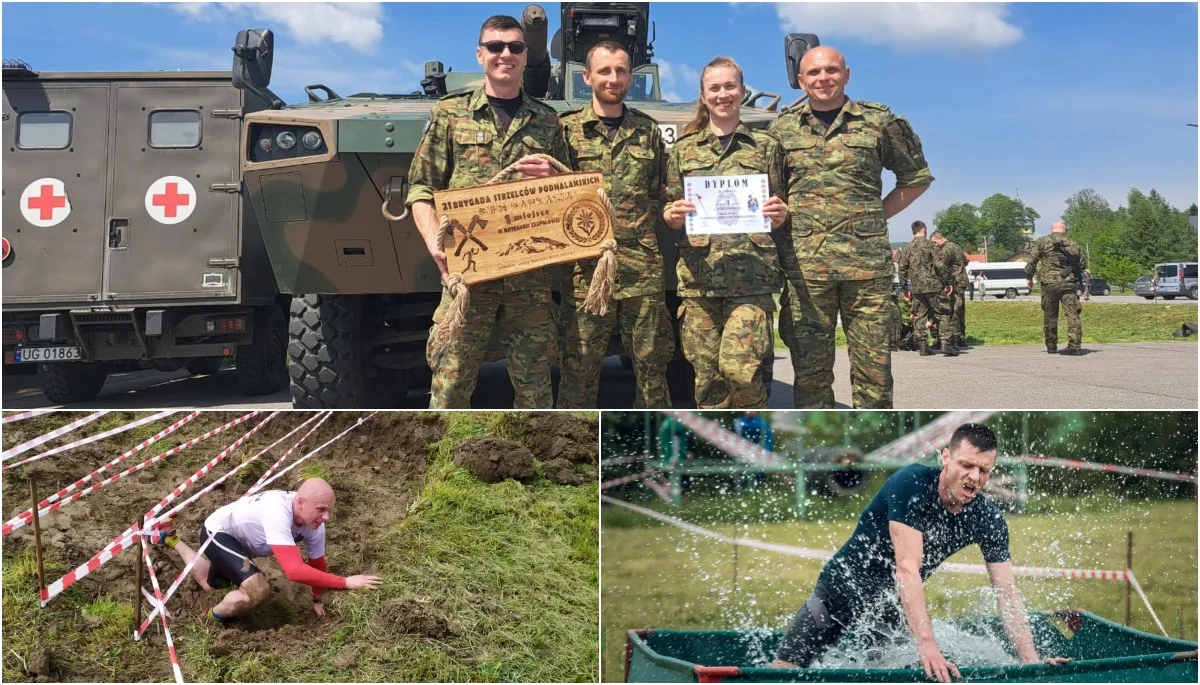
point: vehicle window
(44, 130)
(1189, 271)
(174, 129)
(1168, 271)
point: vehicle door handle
(118, 234)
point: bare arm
(908, 542)
(1012, 614)
(900, 198)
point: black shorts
(824, 617)
(230, 565)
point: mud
(563, 472)
(407, 615)
(561, 436)
(494, 460)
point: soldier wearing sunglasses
(471, 137)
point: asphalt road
(1100, 299)
(1118, 376)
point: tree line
(1122, 244)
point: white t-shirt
(265, 520)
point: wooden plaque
(504, 229)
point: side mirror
(794, 47)
(252, 57)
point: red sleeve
(319, 564)
(297, 572)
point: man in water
(269, 523)
(920, 517)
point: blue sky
(1040, 99)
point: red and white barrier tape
(928, 438)
(43, 439)
(299, 461)
(47, 505)
(659, 488)
(187, 569)
(93, 438)
(25, 415)
(727, 441)
(125, 539)
(163, 616)
(822, 555)
(623, 480)
(152, 601)
(618, 461)
(1042, 460)
(267, 474)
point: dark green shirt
(866, 565)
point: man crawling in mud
(920, 517)
(270, 522)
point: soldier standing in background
(1059, 264)
(471, 137)
(956, 262)
(930, 285)
(626, 146)
(726, 281)
(835, 253)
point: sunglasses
(497, 46)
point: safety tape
(163, 616)
(728, 442)
(930, 437)
(659, 488)
(623, 480)
(822, 555)
(25, 415)
(301, 460)
(92, 438)
(125, 539)
(43, 439)
(618, 461)
(266, 474)
(152, 601)
(48, 505)
(1138, 587)
(1042, 460)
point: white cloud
(915, 26)
(358, 25)
(678, 77)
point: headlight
(286, 140)
(265, 144)
(311, 140)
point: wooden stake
(37, 536)
(137, 606)
(735, 562)
(1128, 567)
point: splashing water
(962, 647)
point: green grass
(1020, 323)
(656, 576)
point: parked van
(1176, 279)
(1004, 279)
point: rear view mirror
(794, 47)
(252, 57)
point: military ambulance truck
(126, 238)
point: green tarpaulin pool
(1102, 651)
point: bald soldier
(1059, 263)
(835, 253)
(268, 523)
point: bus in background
(1004, 279)
(1176, 279)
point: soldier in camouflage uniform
(726, 281)
(470, 138)
(1059, 264)
(626, 146)
(930, 280)
(956, 262)
(835, 254)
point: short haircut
(977, 435)
(500, 22)
(611, 46)
(936, 234)
(918, 226)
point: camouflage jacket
(922, 263)
(835, 189)
(462, 148)
(1057, 261)
(633, 163)
(956, 262)
(732, 265)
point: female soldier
(726, 280)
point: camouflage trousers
(1051, 297)
(646, 335)
(521, 321)
(807, 322)
(958, 314)
(932, 308)
(727, 340)
(895, 324)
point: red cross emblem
(171, 200)
(47, 202)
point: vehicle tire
(681, 383)
(262, 365)
(67, 382)
(1107, 292)
(1168, 297)
(1192, 293)
(1148, 297)
(1011, 293)
(204, 366)
(327, 362)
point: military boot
(1072, 352)
(961, 344)
(924, 347)
(1051, 349)
(949, 349)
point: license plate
(46, 354)
(668, 134)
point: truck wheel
(204, 366)
(681, 383)
(327, 357)
(1011, 293)
(1192, 293)
(67, 382)
(262, 365)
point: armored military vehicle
(327, 180)
(126, 239)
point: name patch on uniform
(504, 229)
